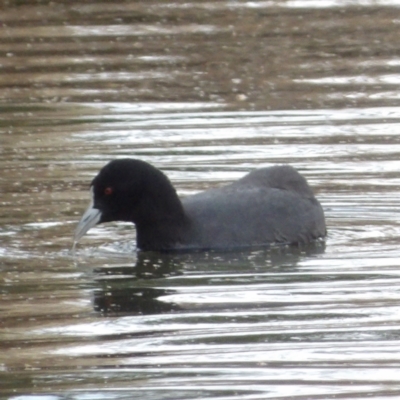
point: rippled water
(206, 91)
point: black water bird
(272, 205)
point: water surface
(206, 91)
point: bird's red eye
(108, 191)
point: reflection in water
(128, 289)
(132, 300)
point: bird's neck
(165, 235)
(162, 223)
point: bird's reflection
(138, 289)
(132, 300)
(125, 289)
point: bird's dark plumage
(268, 205)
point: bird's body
(266, 206)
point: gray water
(206, 91)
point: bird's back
(268, 205)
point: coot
(267, 206)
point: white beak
(89, 219)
